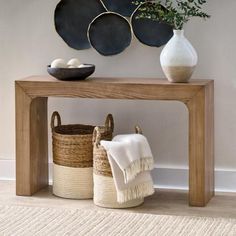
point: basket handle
(138, 130)
(55, 115)
(96, 136)
(109, 123)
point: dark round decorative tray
(72, 19)
(72, 73)
(150, 32)
(110, 33)
(123, 7)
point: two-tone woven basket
(73, 157)
(104, 186)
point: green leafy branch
(173, 12)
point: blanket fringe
(135, 192)
(143, 164)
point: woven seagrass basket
(104, 186)
(73, 157)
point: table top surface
(114, 80)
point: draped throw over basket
(73, 157)
(104, 186)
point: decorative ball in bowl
(73, 70)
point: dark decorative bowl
(72, 73)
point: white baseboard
(177, 178)
(164, 177)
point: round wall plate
(110, 33)
(72, 18)
(150, 32)
(123, 7)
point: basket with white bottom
(72, 182)
(73, 157)
(105, 194)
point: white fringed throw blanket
(131, 160)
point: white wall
(28, 42)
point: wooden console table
(32, 124)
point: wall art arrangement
(107, 25)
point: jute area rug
(24, 220)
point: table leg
(31, 143)
(201, 146)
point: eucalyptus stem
(173, 12)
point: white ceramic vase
(178, 58)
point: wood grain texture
(209, 141)
(22, 141)
(148, 89)
(201, 146)
(31, 109)
(31, 143)
(39, 144)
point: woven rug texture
(38, 221)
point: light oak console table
(32, 125)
